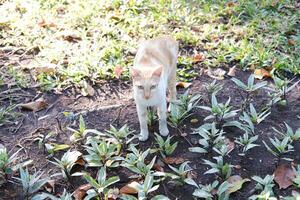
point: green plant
(258, 117)
(100, 185)
(210, 191)
(280, 147)
(7, 114)
(9, 164)
(224, 169)
(31, 183)
(64, 196)
(221, 149)
(295, 196)
(144, 189)
(180, 173)
(66, 163)
(213, 87)
(247, 142)
(265, 185)
(210, 137)
(164, 146)
(79, 134)
(294, 136)
(102, 154)
(46, 142)
(296, 180)
(151, 116)
(249, 88)
(279, 93)
(219, 112)
(135, 161)
(122, 135)
(180, 110)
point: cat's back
(165, 42)
(162, 48)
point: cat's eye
(153, 87)
(140, 87)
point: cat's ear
(157, 71)
(135, 72)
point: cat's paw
(143, 137)
(164, 131)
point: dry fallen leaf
(80, 192)
(193, 121)
(217, 73)
(128, 189)
(49, 69)
(113, 194)
(80, 161)
(118, 71)
(72, 38)
(232, 71)
(50, 186)
(173, 160)
(198, 57)
(183, 84)
(229, 144)
(42, 23)
(261, 73)
(87, 90)
(236, 182)
(36, 105)
(230, 4)
(157, 167)
(291, 42)
(284, 175)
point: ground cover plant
(68, 123)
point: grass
(83, 41)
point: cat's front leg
(142, 114)
(162, 114)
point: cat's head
(146, 80)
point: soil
(113, 104)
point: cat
(153, 72)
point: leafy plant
(210, 137)
(46, 142)
(80, 133)
(258, 117)
(67, 162)
(64, 196)
(210, 191)
(247, 142)
(164, 146)
(296, 180)
(151, 116)
(213, 87)
(102, 154)
(224, 169)
(280, 147)
(294, 136)
(144, 189)
(100, 185)
(279, 93)
(180, 110)
(9, 164)
(135, 161)
(265, 186)
(219, 111)
(31, 183)
(123, 135)
(249, 88)
(180, 173)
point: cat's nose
(147, 96)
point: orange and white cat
(153, 73)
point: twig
(19, 126)
(51, 106)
